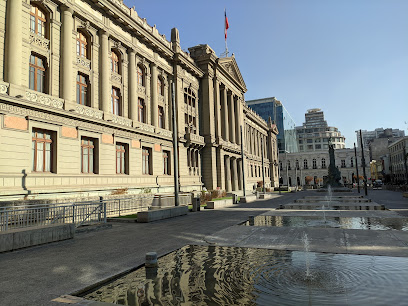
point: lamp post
(363, 164)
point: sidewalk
(35, 276)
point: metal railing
(78, 213)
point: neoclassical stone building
(295, 167)
(85, 106)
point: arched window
(160, 86)
(305, 164)
(37, 73)
(37, 21)
(323, 163)
(140, 76)
(82, 45)
(115, 62)
(314, 163)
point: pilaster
(67, 56)
(153, 93)
(105, 88)
(133, 104)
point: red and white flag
(226, 24)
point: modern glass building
(270, 107)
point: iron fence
(78, 213)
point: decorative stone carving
(116, 77)
(145, 127)
(84, 62)
(141, 90)
(88, 111)
(122, 121)
(117, 44)
(44, 99)
(39, 41)
(164, 132)
(161, 99)
(4, 88)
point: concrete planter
(160, 214)
(247, 198)
(219, 203)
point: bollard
(251, 220)
(151, 260)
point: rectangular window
(318, 146)
(37, 74)
(115, 101)
(121, 152)
(141, 111)
(42, 151)
(146, 160)
(343, 163)
(82, 89)
(166, 162)
(88, 155)
(161, 117)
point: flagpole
(225, 33)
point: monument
(333, 176)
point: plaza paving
(37, 275)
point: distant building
(398, 160)
(377, 141)
(295, 167)
(270, 107)
(368, 136)
(314, 134)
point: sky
(346, 57)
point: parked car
(377, 184)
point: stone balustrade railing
(144, 127)
(44, 99)
(39, 41)
(164, 132)
(88, 111)
(122, 120)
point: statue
(333, 176)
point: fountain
(305, 240)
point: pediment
(231, 67)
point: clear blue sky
(347, 57)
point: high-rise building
(368, 136)
(315, 133)
(270, 107)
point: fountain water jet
(306, 245)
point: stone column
(14, 42)
(238, 122)
(67, 54)
(232, 119)
(132, 85)
(240, 177)
(234, 174)
(153, 93)
(220, 169)
(225, 113)
(227, 173)
(105, 89)
(217, 108)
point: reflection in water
(337, 222)
(209, 275)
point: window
(300, 141)
(161, 117)
(37, 74)
(280, 166)
(114, 62)
(82, 89)
(289, 165)
(42, 150)
(310, 147)
(81, 45)
(343, 163)
(189, 97)
(141, 115)
(166, 162)
(301, 148)
(37, 21)
(252, 171)
(317, 147)
(87, 155)
(314, 163)
(121, 152)
(115, 101)
(351, 162)
(309, 140)
(297, 164)
(305, 164)
(323, 163)
(160, 86)
(140, 76)
(146, 160)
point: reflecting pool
(211, 275)
(331, 222)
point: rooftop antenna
(226, 26)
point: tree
(308, 179)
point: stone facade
(295, 167)
(85, 105)
(399, 161)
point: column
(220, 169)
(225, 113)
(240, 176)
(133, 105)
(238, 121)
(67, 65)
(234, 174)
(217, 108)
(153, 87)
(14, 42)
(105, 89)
(227, 173)
(232, 119)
